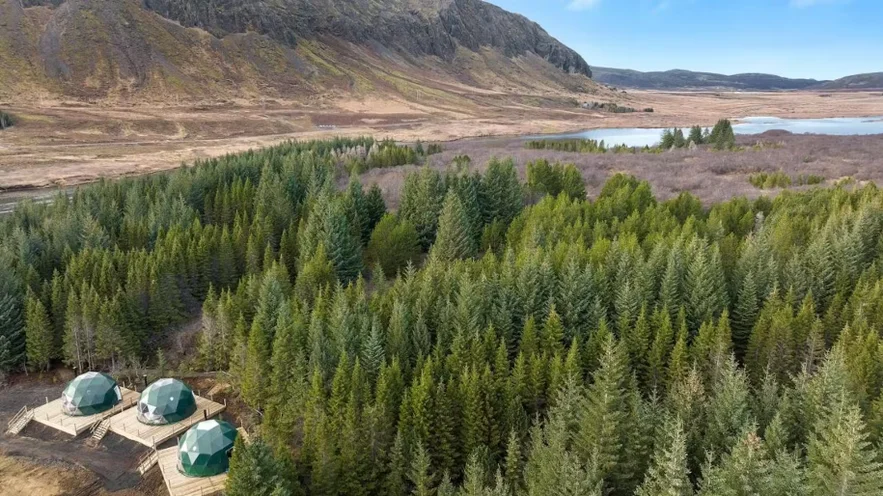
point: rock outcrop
(414, 27)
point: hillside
(290, 49)
(681, 79)
(872, 81)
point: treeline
(779, 179)
(583, 146)
(721, 137)
(568, 145)
(470, 344)
(6, 120)
(544, 178)
(365, 153)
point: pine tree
(679, 140)
(254, 471)
(513, 463)
(474, 476)
(344, 245)
(255, 382)
(12, 332)
(553, 334)
(455, 239)
(317, 273)
(605, 426)
(501, 193)
(744, 315)
(552, 467)
(696, 135)
(722, 135)
(728, 408)
(422, 198)
(668, 474)
(287, 385)
(393, 244)
(419, 474)
(749, 470)
(668, 139)
(39, 333)
(398, 468)
(841, 460)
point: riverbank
(67, 144)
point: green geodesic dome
(90, 393)
(166, 401)
(205, 449)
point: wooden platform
(179, 484)
(126, 424)
(52, 415)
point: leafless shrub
(712, 176)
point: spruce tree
(39, 333)
(455, 240)
(841, 460)
(606, 421)
(552, 467)
(421, 204)
(255, 381)
(696, 135)
(12, 332)
(668, 474)
(744, 314)
(419, 474)
(254, 471)
(393, 245)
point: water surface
(838, 126)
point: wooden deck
(126, 424)
(52, 415)
(179, 484)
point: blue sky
(822, 39)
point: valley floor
(59, 144)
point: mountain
(289, 49)
(872, 81)
(680, 80)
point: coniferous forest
(487, 338)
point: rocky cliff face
(414, 27)
(293, 49)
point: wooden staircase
(99, 430)
(148, 461)
(20, 420)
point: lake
(840, 126)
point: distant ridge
(679, 79)
(870, 81)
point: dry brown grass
(69, 142)
(711, 175)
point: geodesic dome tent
(166, 401)
(90, 393)
(205, 449)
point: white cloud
(582, 4)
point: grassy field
(63, 143)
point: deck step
(147, 462)
(99, 432)
(20, 421)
